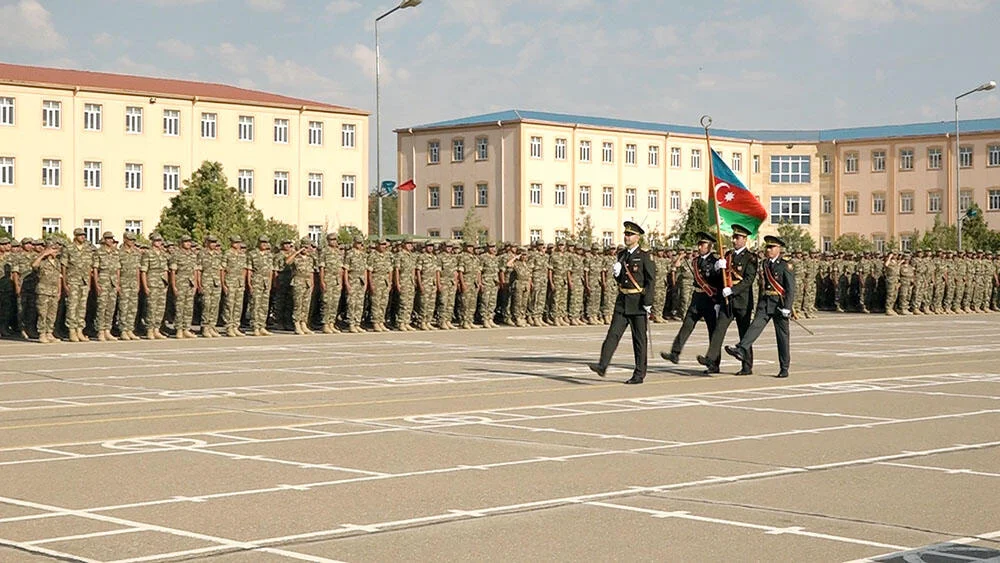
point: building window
(433, 152)
(561, 195)
(51, 225)
(7, 224)
(607, 152)
(281, 183)
(316, 134)
(245, 131)
(790, 169)
(879, 241)
(458, 195)
(458, 150)
(653, 200)
(934, 158)
(133, 120)
(825, 159)
(993, 200)
(696, 159)
(535, 147)
(906, 159)
(737, 162)
(675, 200)
(482, 148)
(347, 135)
(851, 163)
(6, 171)
(92, 175)
(315, 233)
(208, 121)
(584, 196)
(6, 111)
(560, 149)
(607, 239)
(561, 235)
(133, 176)
(906, 243)
(584, 151)
(993, 155)
(827, 204)
(456, 234)
(433, 197)
(906, 202)
(171, 122)
(434, 233)
(347, 187)
(934, 202)
(878, 161)
(965, 157)
(608, 197)
(675, 157)
(482, 195)
(964, 200)
(695, 195)
(315, 186)
(171, 178)
(827, 244)
(630, 155)
(51, 114)
(92, 228)
(51, 173)
(756, 164)
(133, 226)
(654, 155)
(280, 131)
(92, 117)
(629, 198)
(535, 194)
(878, 203)
(850, 204)
(790, 209)
(244, 182)
(535, 235)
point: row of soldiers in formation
(412, 286)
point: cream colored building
(533, 175)
(107, 152)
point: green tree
(687, 227)
(853, 242)
(939, 237)
(347, 233)
(472, 228)
(975, 231)
(584, 230)
(390, 214)
(796, 238)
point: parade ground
(502, 445)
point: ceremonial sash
(772, 280)
(734, 276)
(701, 281)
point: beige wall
(28, 202)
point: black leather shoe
(735, 352)
(710, 371)
(633, 381)
(703, 360)
(744, 372)
(597, 369)
(782, 374)
(672, 357)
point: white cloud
(266, 5)
(177, 48)
(236, 59)
(29, 24)
(103, 39)
(125, 65)
(363, 57)
(338, 7)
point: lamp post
(378, 110)
(958, 157)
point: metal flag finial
(706, 121)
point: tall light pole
(958, 157)
(378, 110)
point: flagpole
(706, 122)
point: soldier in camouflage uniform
(380, 277)
(469, 281)
(658, 257)
(234, 283)
(685, 281)
(811, 263)
(593, 281)
(504, 296)
(906, 275)
(404, 279)
(959, 278)
(14, 259)
(108, 283)
(559, 280)
(212, 273)
(8, 310)
(154, 267)
(491, 279)
(609, 291)
(356, 284)
(331, 280)
(49, 272)
(77, 261)
(428, 272)
(539, 262)
(129, 256)
(185, 283)
(260, 263)
(520, 286)
(995, 302)
(303, 266)
(892, 269)
(449, 285)
(575, 285)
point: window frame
(133, 177)
(906, 197)
(133, 121)
(434, 197)
(93, 117)
(280, 183)
(245, 128)
(8, 111)
(314, 185)
(281, 130)
(348, 186)
(315, 134)
(51, 111)
(209, 120)
(803, 215)
(793, 161)
(171, 117)
(458, 196)
(535, 194)
(245, 181)
(560, 192)
(850, 202)
(51, 170)
(878, 198)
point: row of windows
(93, 178)
(906, 202)
(92, 227)
(559, 195)
(966, 159)
(93, 121)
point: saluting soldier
(635, 274)
(706, 268)
(46, 264)
(107, 267)
(776, 302)
(741, 266)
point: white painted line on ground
(84, 536)
(947, 470)
(59, 555)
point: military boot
(102, 336)
(72, 335)
(298, 328)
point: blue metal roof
(796, 135)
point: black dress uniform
(707, 295)
(776, 302)
(636, 282)
(741, 266)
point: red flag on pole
(407, 186)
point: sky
(780, 64)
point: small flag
(737, 205)
(407, 186)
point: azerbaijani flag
(736, 203)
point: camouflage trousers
(505, 302)
(519, 297)
(538, 290)
(488, 301)
(937, 295)
(48, 306)
(891, 292)
(107, 300)
(380, 299)
(659, 298)
(608, 297)
(468, 301)
(260, 299)
(576, 298)
(428, 297)
(232, 308)
(76, 306)
(560, 291)
(331, 299)
(211, 299)
(949, 295)
(905, 293)
(593, 304)
(406, 294)
(184, 305)
(356, 300)
(920, 300)
(684, 296)
(446, 296)
(27, 310)
(809, 295)
(128, 308)
(8, 306)
(156, 305)
(301, 299)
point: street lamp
(986, 86)
(378, 110)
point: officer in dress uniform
(705, 303)
(741, 268)
(776, 302)
(635, 274)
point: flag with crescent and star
(736, 204)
